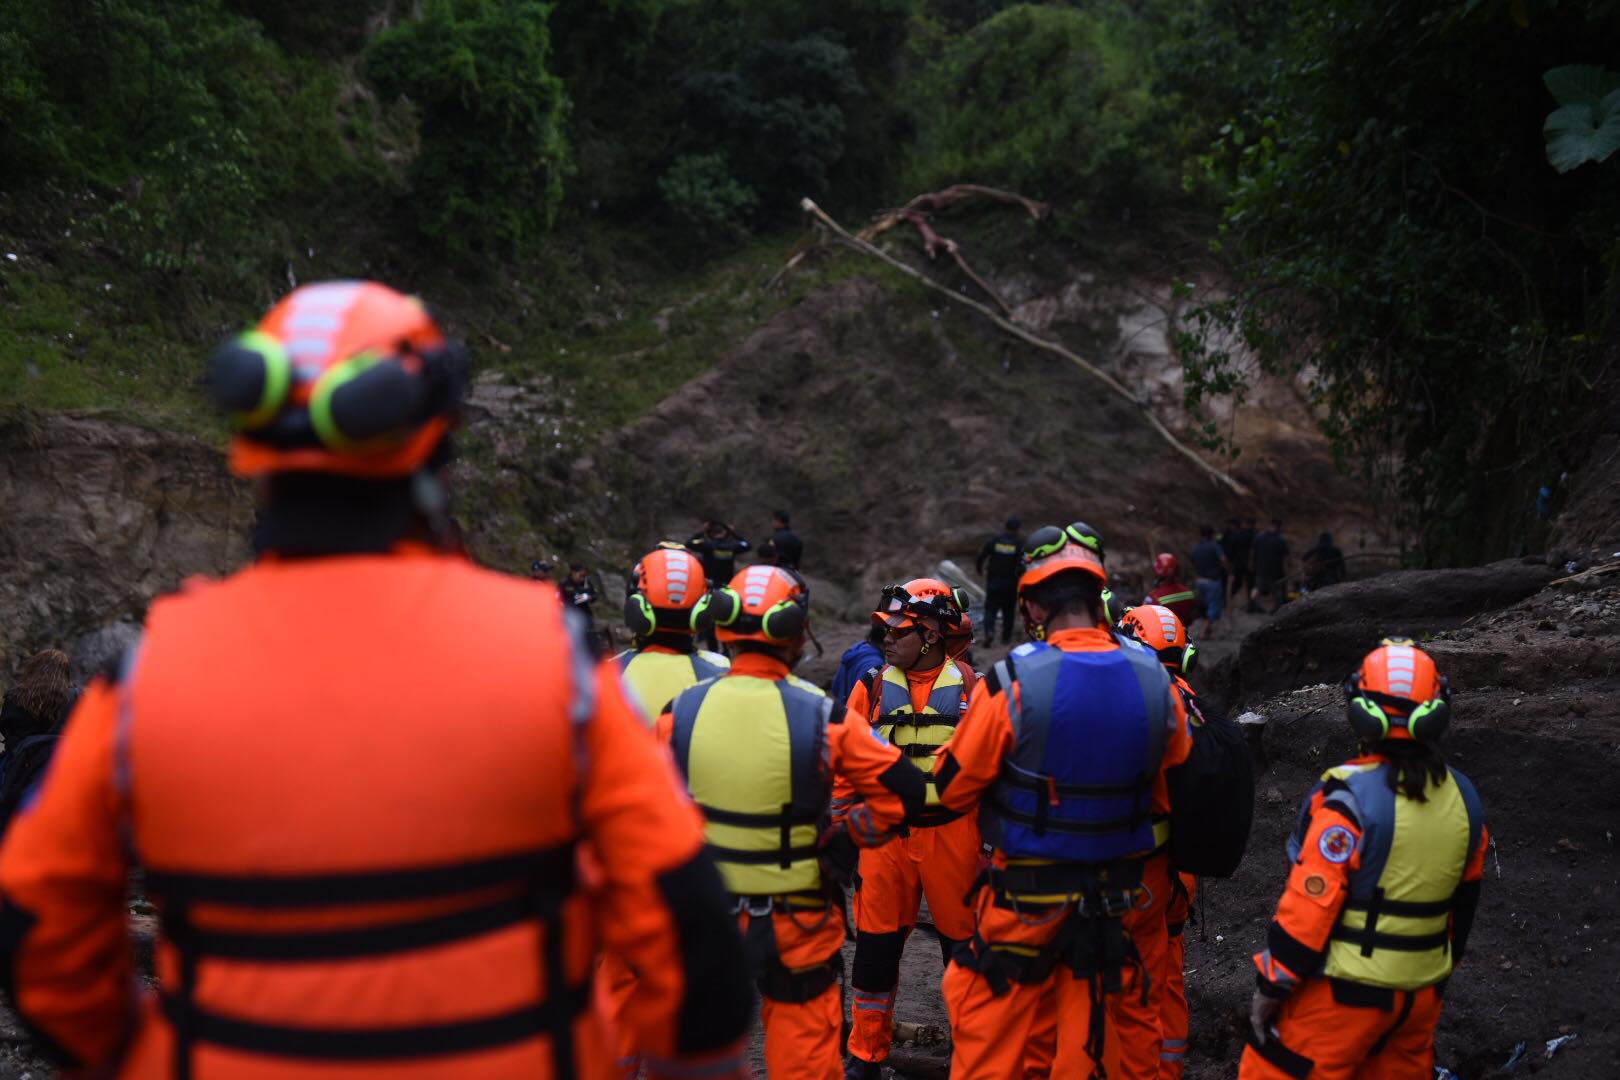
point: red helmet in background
(1166, 565)
(345, 377)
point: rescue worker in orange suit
(1157, 627)
(341, 888)
(1062, 750)
(662, 613)
(914, 701)
(1170, 591)
(1388, 857)
(760, 751)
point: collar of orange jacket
(1084, 639)
(759, 665)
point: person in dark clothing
(1270, 567)
(1238, 543)
(789, 548)
(31, 718)
(718, 546)
(1323, 565)
(580, 592)
(1210, 568)
(1002, 554)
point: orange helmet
(1050, 551)
(1159, 629)
(1398, 693)
(342, 377)
(669, 592)
(762, 603)
(920, 598)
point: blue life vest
(1090, 731)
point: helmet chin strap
(430, 495)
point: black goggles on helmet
(897, 601)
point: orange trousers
(938, 862)
(615, 983)
(1173, 1018)
(992, 1035)
(1136, 1026)
(1326, 1039)
(802, 1038)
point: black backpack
(19, 769)
(1211, 796)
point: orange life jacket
(351, 784)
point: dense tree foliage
(1403, 238)
(1416, 199)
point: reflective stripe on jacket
(752, 753)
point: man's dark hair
(1013, 523)
(574, 568)
(1413, 766)
(1073, 592)
(1327, 538)
(1206, 531)
(782, 516)
(1251, 522)
(874, 636)
(1276, 523)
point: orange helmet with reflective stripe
(1159, 629)
(342, 377)
(920, 598)
(667, 592)
(1398, 693)
(763, 603)
(1049, 551)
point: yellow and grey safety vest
(1395, 928)
(919, 736)
(753, 752)
(654, 678)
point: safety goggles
(897, 601)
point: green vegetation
(1415, 200)
(1401, 237)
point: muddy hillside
(898, 429)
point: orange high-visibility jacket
(389, 813)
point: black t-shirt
(789, 548)
(1206, 560)
(1270, 553)
(1004, 554)
(579, 595)
(1237, 543)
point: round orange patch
(1315, 885)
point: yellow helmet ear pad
(785, 621)
(1189, 659)
(639, 617)
(249, 378)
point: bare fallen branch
(867, 247)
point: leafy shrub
(1403, 240)
(1050, 100)
(489, 176)
(700, 190)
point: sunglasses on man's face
(896, 633)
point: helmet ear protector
(370, 401)
(1368, 711)
(782, 622)
(1189, 658)
(642, 619)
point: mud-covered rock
(101, 516)
(1320, 637)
